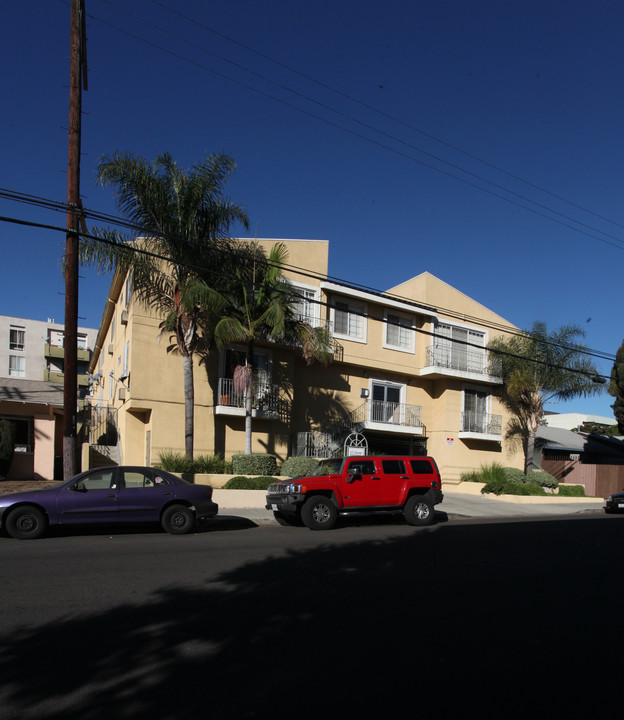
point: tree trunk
(529, 460)
(249, 398)
(189, 405)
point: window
(138, 479)
(17, 366)
(399, 332)
(349, 321)
(362, 467)
(385, 405)
(421, 467)
(393, 467)
(305, 305)
(81, 342)
(474, 417)
(99, 480)
(128, 290)
(455, 348)
(17, 336)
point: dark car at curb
(110, 495)
(615, 503)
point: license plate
(274, 507)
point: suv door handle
(404, 477)
(375, 477)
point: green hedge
(509, 487)
(254, 464)
(240, 482)
(543, 478)
(571, 491)
(298, 466)
(177, 462)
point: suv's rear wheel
(319, 513)
(418, 510)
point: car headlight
(284, 489)
(610, 498)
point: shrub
(175, 462)
(543, 478)
(493, 473)
(470, 476)
(212, 464)
(298, 466)
(571, 491)
(514, 475)
(240, 482)
(510, 487)
(254, 464)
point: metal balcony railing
(382, 411)
(265, 397)
(481, 423)
(455, 357)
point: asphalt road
(373, 619)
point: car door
(394, 476)
(91, 499)
(363, 488)
(142, 494)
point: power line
(366, 315)
(607, 238)
(62, 207)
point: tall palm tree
(182, 219)
(260, 304)
(539, 366)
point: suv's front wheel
(418, 510)
(319, 513)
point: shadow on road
(507, 619)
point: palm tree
(259, 305)
(539, 366)
(183, 220)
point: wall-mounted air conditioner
(124, 317)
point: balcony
(481, 426)
(265, 400)
(58, 377)
(458, 361)
(389, 417)
(58, 351)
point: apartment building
(31, 390)
(410, 374)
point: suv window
(423, 467)
(362, 467)
(393, 467)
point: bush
(493, 473)
(212, 464)
(175, 462)
(254, 464)
(298, 466)
(543, 478)
(240, 482)
(514, 475)
(471, 476)
(510, 487)
(571, 491)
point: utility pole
(70, 387)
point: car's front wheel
(178, 520)
(319, 513)
(418, 510)
(26, 523)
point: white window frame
(441, 340)
(19, 366)
(356, 319)
(477, 389)
(312, 316)
(406, 333)
(17, 338)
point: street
(240, 621)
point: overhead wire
(540, 209)
(297, 270)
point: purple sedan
(109, 495)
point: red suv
(411, 485)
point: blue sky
(480, 141)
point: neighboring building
(31, 391)
(574, 421)
(411, 374)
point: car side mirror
(78, 487)
(353, 475)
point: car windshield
(327, 467)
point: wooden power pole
(70, 388)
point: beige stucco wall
(151, 417)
